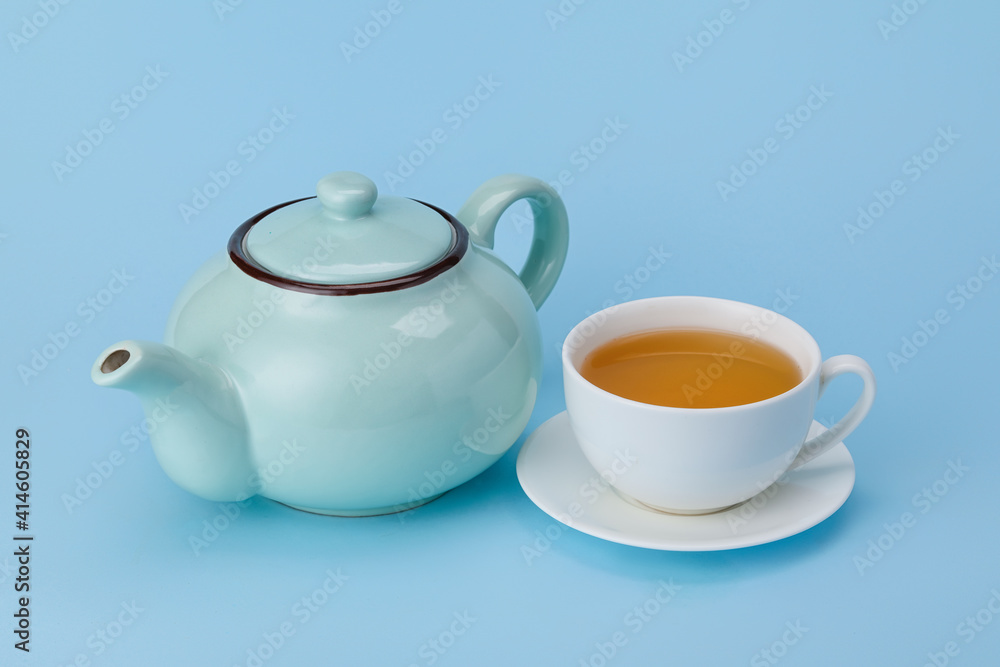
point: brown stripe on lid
(246, 263)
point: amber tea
(691, 368)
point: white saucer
(559, 479)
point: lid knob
(346, 194)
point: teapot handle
(548, 249)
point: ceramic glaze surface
(552, 469)
(349, 235)
(380, 408)
(691, 461)
(362, 403)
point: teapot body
(350, 354)
(368, 404)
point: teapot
(350, 354)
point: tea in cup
(712, 399)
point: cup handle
(548, 249)
(832, 367)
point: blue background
(560, 82)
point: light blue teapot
(350, 354)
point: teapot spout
(201, 438)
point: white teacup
(701, 460)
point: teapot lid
(347, 236)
